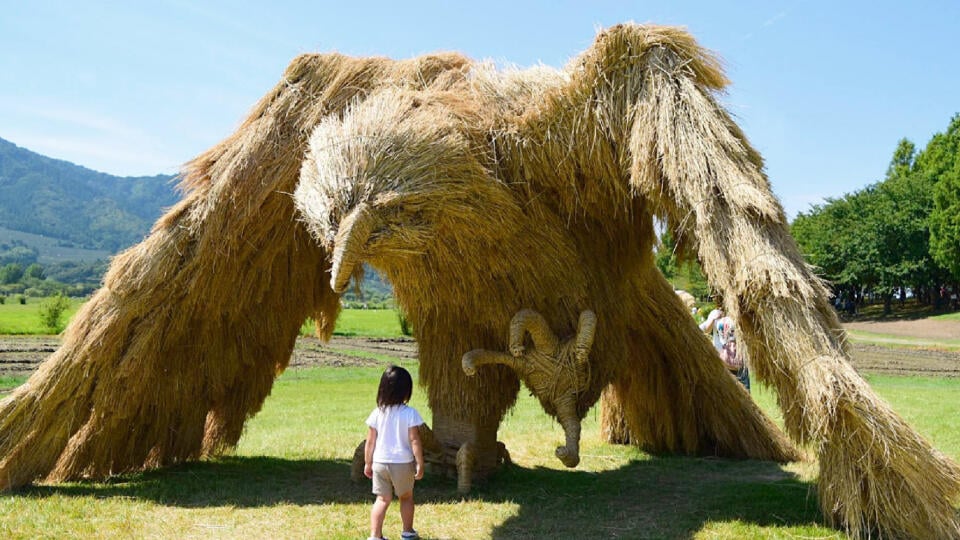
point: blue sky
(823, 89)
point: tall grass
(289, 478)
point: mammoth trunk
(352, 236)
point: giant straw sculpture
(479, 194)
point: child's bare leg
(406, 510)
(377, 513)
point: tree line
(895, 238)
(21, 274)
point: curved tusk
(348, 250)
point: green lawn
(289, 478)
(955, 316)
(363, 322)
(17, 318)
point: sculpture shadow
(663, 497)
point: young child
(393, 455)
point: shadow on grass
(908, 311)
(658, 498)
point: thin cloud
(768, 23)
(773, 20)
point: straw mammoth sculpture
(479, 194)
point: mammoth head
(393, 177)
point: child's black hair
(396, 387)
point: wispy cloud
(773, 20)
(768, 23)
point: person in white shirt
(393, 454)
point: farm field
(289, 477)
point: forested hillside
(79, 207)
(60, 223)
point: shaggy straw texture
(537, 190)
(687, 156)
(475, 205)
(182, 344)
(479, 194)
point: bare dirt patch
(352, 351)
(919, 328)
(20, 355)
(902, 361)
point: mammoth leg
(466, 459)
(358, 463)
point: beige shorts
(398, 476)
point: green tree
(876, 239)
(903, 159)
(665, 257)
(11, 273)
(18, 252)
(34, 271)
(940, 163)
(52, 310)
(682, 273)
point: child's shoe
(409, 535)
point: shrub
(52, 310)
(405, 327)
(22, 299)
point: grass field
(362, 322)
(289, 478)
(955, 316)
(23, 319)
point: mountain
(77, 207)
(71, 219)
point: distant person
(393, 454)
(850, 307)
(723, 331)
(708, 325)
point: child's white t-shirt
(393, 425)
